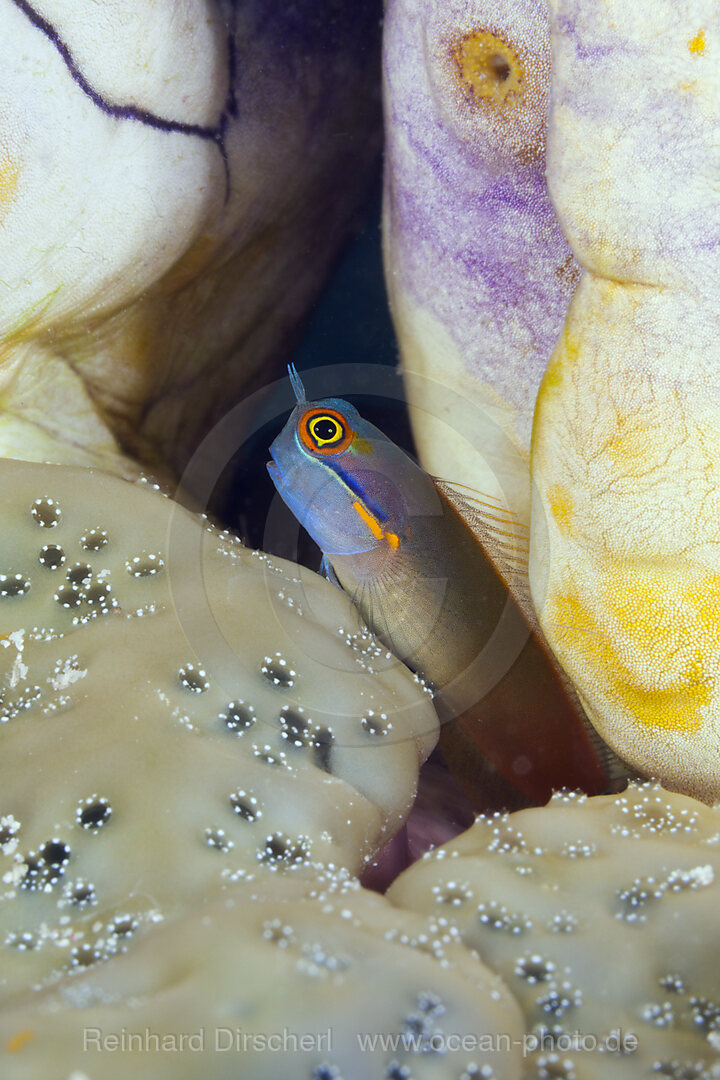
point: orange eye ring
(325, 431)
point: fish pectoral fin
(403, 608)
(326, 571)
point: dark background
(349, 324)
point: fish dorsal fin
(502, 534)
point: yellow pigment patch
(9, 174)
(570, 346)
(551, 385)
(489, 67)
(698, 43)
(361, 445)
(704, 598)
(561, 508)
(22, 1038)
(676, 708)
(639, 604)
(632, 444)
(586, 648)
(566, 352)
(568, 613)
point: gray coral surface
(601, 916)
(200, 747)
(373, 992)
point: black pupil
(499, 67)
(325, 429)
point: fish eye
(325, 431)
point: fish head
(341, 477)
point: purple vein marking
(215, 134)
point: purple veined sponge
(625, 570)
(478, 269)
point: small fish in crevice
(427, 586)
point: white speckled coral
(180, 740)
(282, 957)
(624, 572)
(601, 916)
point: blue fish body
(425, 585)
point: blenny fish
(427, 587)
